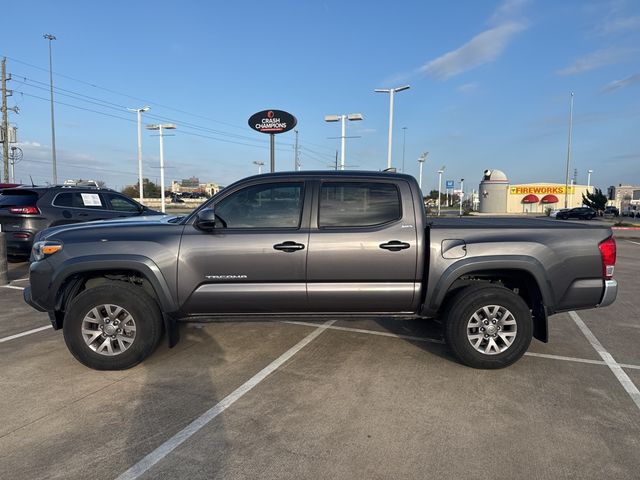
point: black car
(582, 213)
(24, 211)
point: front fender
(104, 263)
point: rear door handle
(83, 214)
(394, 245)
(289, 247)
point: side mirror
(206, 220)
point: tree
(596, 200)
(151, 190)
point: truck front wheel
(112, 327)
(487, 326)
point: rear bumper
(610, 293)
(19, 247)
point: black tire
(458, 316)
(142, 309)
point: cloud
(485, 47)
(508, 10)
(597, 59)
(618, 84)
(468, 87)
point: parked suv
(611, 210)
(582, 213)
(24, 211)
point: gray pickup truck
(326, 244)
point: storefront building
(497, 195)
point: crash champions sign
(272, 121)
(541, 190)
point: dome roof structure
(495, 176)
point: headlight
(44, 249)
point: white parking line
(434, 340)
(167, 447)
(617, 370)
(22, 334)
(637, 243)
(13, 286)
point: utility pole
(5, 124)
(566, 182)
(404, 140)
(50, 37)
(296, 157)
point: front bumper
(26, 294)
(610, 293)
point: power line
(123, 94)
(114, 106)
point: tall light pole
(343, 119)
(440, 172)
(421, 159)
(404, 141)
(50, 37)
(139, 112)
(259, 164)
(461, 194)
(589, 172)
(160, 127)
(566, 183)
(391, 92)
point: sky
(490, 87)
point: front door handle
(394, 245)
(289, 247)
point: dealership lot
(362, 398)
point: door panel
(363, 268)
(257, 263)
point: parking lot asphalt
(361, 398)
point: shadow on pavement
(176, 386)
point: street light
(589, 172)
(139, 112)
(259, 164)
(160, 127)
(50, 37)
(421, 159)
(461, 194)
(440, 172)
(391, 92)
(352, 117)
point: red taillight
(24, 210)
(608, 254)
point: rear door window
(358, 204)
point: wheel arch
(75, 274)
(523, 275)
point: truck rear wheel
(112, 327)
(487, 326)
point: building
(623, 196)
(497, 195)
(189, 186)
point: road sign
(449, 184)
